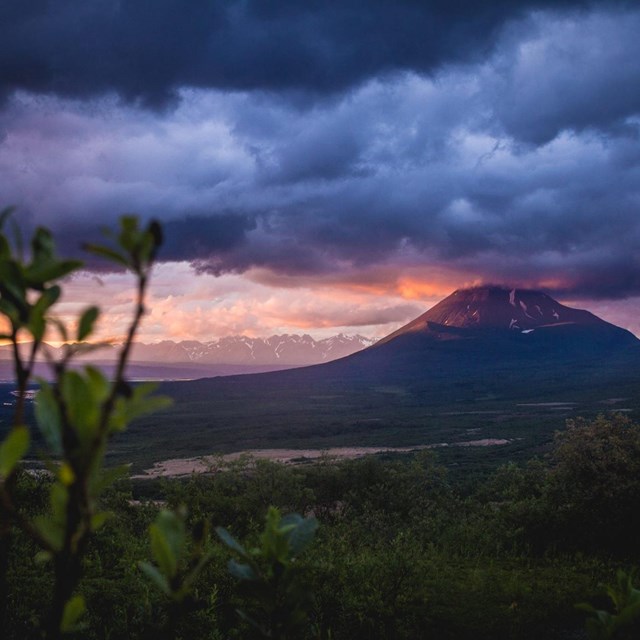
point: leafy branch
(278, 599)
(77, 412)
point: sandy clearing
(176, 467)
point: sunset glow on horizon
(183, 305)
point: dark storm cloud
(523, 165)
(199, 237)
(610, 278)
(145, 51)
(577, 75)
(600, 275)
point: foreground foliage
(623, 621)
(77, 413)
(404, 550)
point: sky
(323, 167)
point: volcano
(492, 312)
(496, 336)
(501, 308)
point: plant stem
(68, 561)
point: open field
(177, 467)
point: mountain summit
(497, 309)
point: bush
(593, 489)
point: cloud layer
(147, 52)
(316, 145)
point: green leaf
(73, 610)
(12, 284)
(168, 537)
(118, 420)
(231, 542)
(82, 410)
(38, 274)
(144, 249)
(42, 557)
(173, 528)
(162, 552)
(37, 315)
(628, 615)
(140, 403)
(62, 330)
(12, 450)
(155, 576)
(148, 243)
(241, 571)
(87, 320)
(50, 530)
(5, 248)
(51, 295)
(155, 230)
(37, 325)
(42, 244)
(137, 407)
(98, 383)
(109, 254)
(48, 417)
(302, 536)
(128, 237)
(66, 476)
(98, 519)
(11, 311)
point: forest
(404, 548)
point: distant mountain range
(225, 356)
(239, 350)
